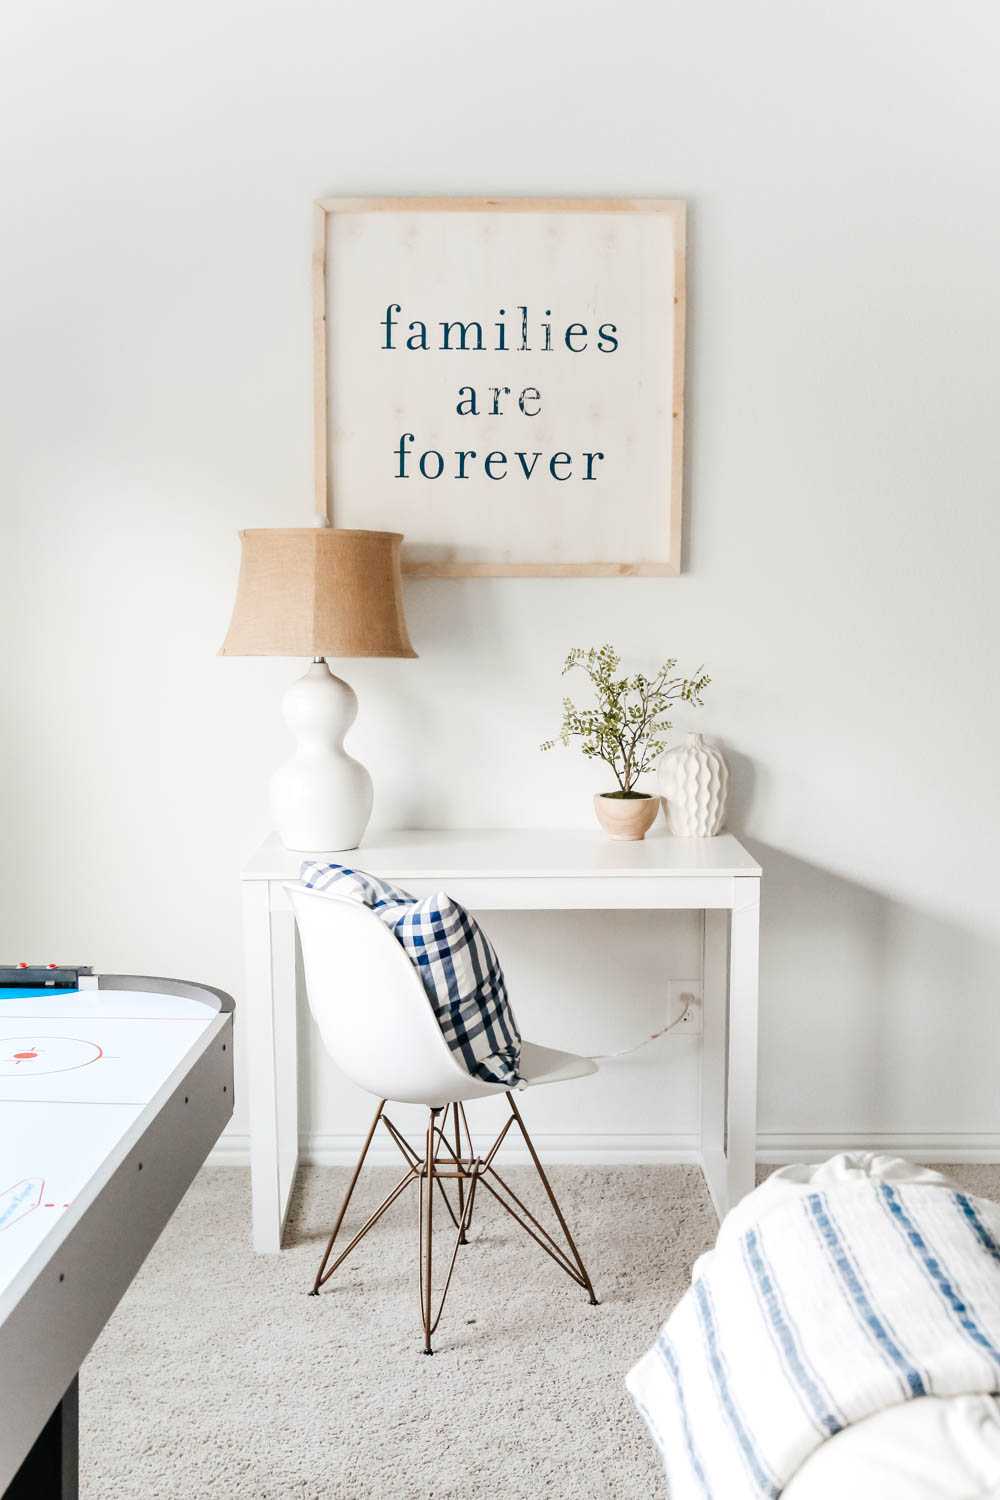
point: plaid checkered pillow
(456, 963)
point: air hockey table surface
(113, 1089)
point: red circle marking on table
(47, 1072)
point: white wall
(840, 167)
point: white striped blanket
(823, 1311)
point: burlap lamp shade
(312, 591)
(319, 592)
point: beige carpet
(218, 1376)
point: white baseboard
(233, 1150)
(580, 1148)
(922, 1146)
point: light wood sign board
(502, 381)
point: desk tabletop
(442, 854)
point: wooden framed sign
(502, 380)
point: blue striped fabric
(816, 1313)
(855, 1290)
(943, 1280)
(763, 1480)
(816, 1400)
(665, 1350)
(456, 962)
(986, 1240)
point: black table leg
(51, 1470)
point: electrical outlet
(677, 989)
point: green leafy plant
(626, 727)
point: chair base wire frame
(454, 1160)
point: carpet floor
(218, 1376)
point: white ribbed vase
(694, 780)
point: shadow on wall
(746, 782)
(876, 1018)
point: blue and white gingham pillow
(455, 960)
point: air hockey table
(113, 1089)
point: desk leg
(269, 1037)
(741, 1112)
(714, 988)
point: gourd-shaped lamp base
(321, 798)
(319, 591)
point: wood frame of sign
(502, 380)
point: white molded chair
(378, 1026)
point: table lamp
(319, 592)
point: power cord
(610, 1056)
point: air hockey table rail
(113, 1089)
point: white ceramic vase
(694, 780)
(321, 798)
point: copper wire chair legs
(445, 1160)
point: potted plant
(625, 730)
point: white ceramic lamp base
(321, 799)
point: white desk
(517, 870)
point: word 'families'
(458, 336)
